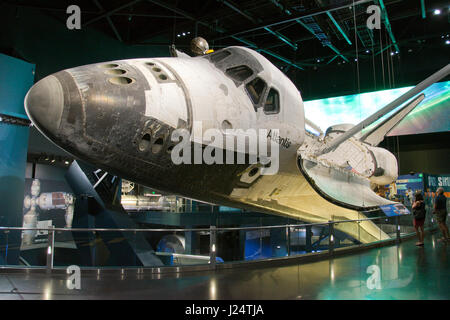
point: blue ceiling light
(282, 38)
(437, 12)
(387, 24)
(339, 28)
(422, 6)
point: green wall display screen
(432, 115)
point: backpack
(419, 212)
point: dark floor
(404, 272)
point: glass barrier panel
(278, 242)
(369, 231)
(429, 218)
(406, 225)
(388, 228)
(182, 248)
(299, 240)
(68, 248)
(23, 248)
(305, 239)
(346, 234)
(320, 237)
(157, 248)
(392, 227)
(74, 248)
(245, 245)
(131, 248)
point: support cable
(357, 74)
(373, 65)
(174, 25)
(382, 60)
(356, 44)
(387, 58)
(392, 68)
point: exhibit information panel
(392, 210)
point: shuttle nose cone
(44, 104)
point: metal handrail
(193, 229)
(212, 235)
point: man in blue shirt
(440, 210)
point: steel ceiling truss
(334, 14)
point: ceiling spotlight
(437, 12)
(392, 53)
(53, 160)
(367, 51)
(66, 162)
(178, 35)
(184, 33)
(318, 60)
(356, 59)
(447, 41)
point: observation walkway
(402, 271)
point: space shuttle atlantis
(120, 116)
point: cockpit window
(219, 56)
(272, 105)
(239, 73)
(255, 89)
(237, 63)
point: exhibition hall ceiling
(324, 46)
(319, 44)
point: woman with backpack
(419, 212)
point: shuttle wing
(377, 134)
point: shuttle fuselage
(120, 116)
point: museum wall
(45, 41)
(433, 161)
(46, 172)
(421, 153)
